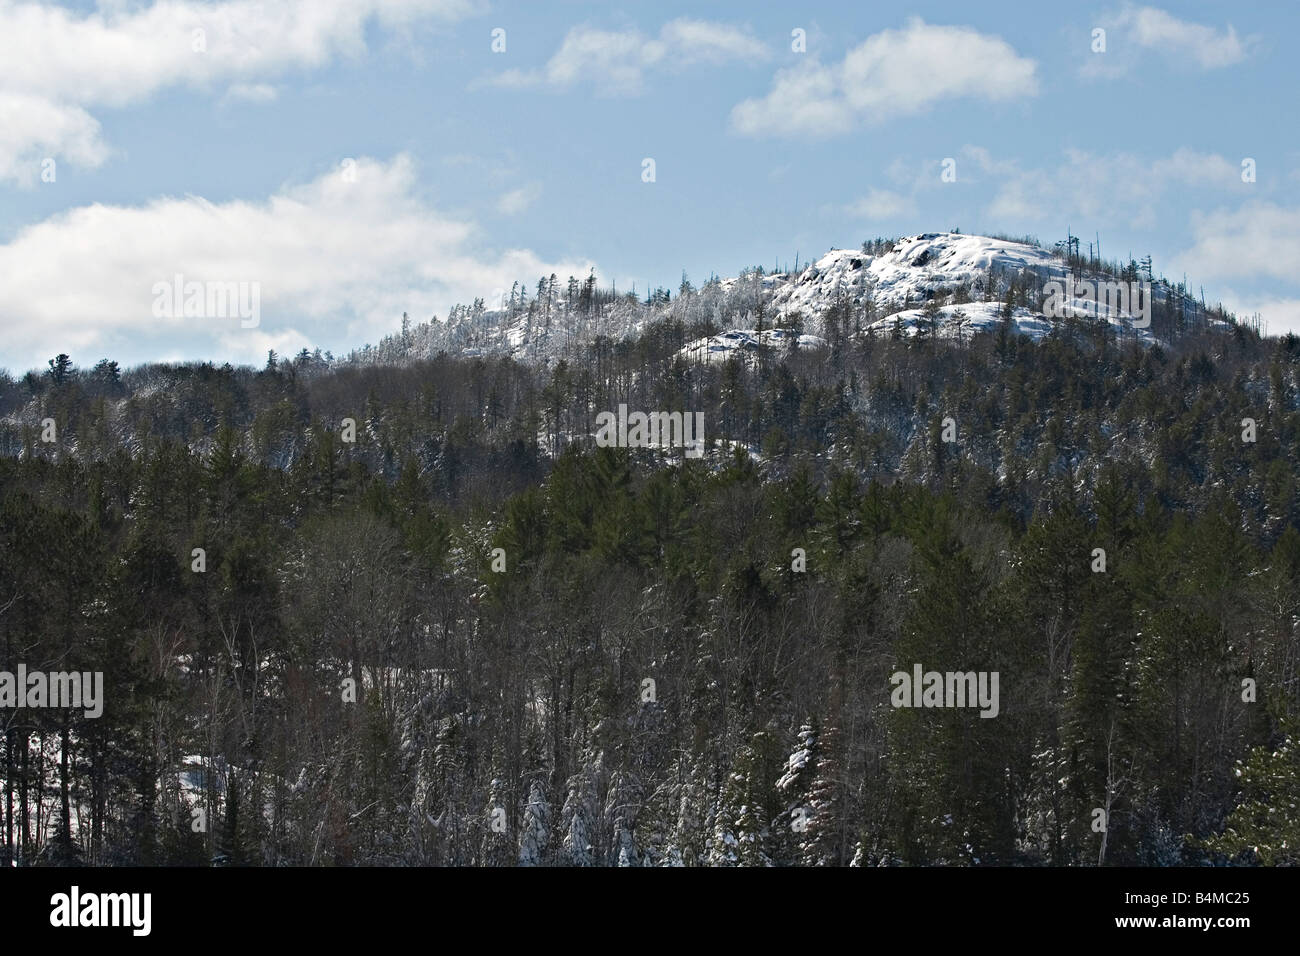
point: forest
(468, 636)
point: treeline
(469, 637)
(483, 427)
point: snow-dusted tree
(576, 821)
(535, 833)
(495, 828)
(622, 805)
(672, 826)
(795, 786)
(740, 825)
(825, 837)
(625, 848)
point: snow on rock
(719, 348)
(963, 321)
(917, 268)
(960, 321)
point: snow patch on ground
(719, 348)
(963, 321)
(960, 322)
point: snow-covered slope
(963, 321)
(718, 348)
(917, 268)
(959, 321)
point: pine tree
(1265, 824)
(61, 369)
(795, 789)
(535, 834)
(576, 821)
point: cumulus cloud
(1150, 28)
(57, 64)
(879, 204)
(518, 200)
(335, 259)
(32, 129)
(1208, 48)
(1255, 240)
(892, 73)
(616, 62)
(1097, 185)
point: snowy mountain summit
(915, 270)
(945, 285)
(963, 280)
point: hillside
(874, 290)
(361, 610)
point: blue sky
(227, 160)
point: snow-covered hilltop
(946, 284)
(917, 269)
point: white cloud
(1186, 167)
(1278, 314)
(251, 92)
(616, 62)
(1097, 186)
(1257, 239)
(518, 200)
(880, 204)
(803, 100)
(1150, 28)
(699, 41)
(1258, 242)
(335, 261)
(56, 64)
(32, 129)
(1154, 29)
(892, 73)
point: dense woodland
(504, 716)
